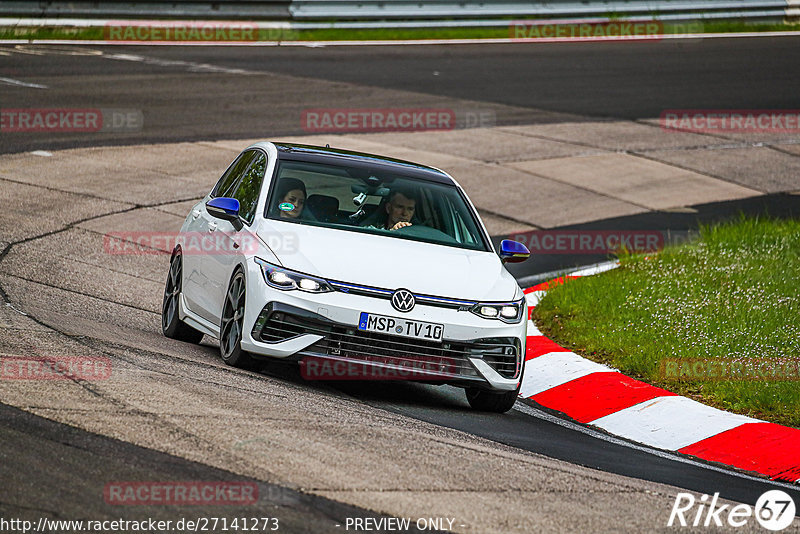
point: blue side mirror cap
(223, 208)
(513, 251)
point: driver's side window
(225, 185)
(247, 190)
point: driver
(290, 197)
(400, 209)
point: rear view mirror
(226, 209)
(513, 251)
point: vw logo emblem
(403, 300)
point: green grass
(75, 34)
(404, 34)
(734, 295)
(93, 34)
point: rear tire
(171, 324)
(231, 326)
(491, 401)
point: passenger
(291, 198)
(400, 207)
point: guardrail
(458, 12)
(430, 9)
(208, 9)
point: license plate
(369, 322)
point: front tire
(171, 324)
(231, 327)
(492, 401)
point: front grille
(447, 359)
(500, 353)
(444, 359)
(282, 326)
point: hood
(392, 263)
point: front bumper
(336, 350)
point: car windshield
(374, 201)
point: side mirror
(226, 209)
(513, 252)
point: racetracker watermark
(774, 510)
(193, 31)
(330, 120)
(180, 493)
(377, 119)
(590, 241)
(588, 29)
(86, 120)
(370, 367)
(731, 120)
(600, 29)
(194, 243)
(744, 369)
(90, 368)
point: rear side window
(224, 187)
(248, 188)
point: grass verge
(717, 320)
(99, 33)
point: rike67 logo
(774, 510)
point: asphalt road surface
(261, 92)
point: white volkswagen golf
(357, 266)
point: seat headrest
(323, 207)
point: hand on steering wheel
(401, 224)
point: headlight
(508, 312)
(488, 311)
(287, 280)
(279, 278)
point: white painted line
(577, 427)
(596, 269)
(670, 422)
(556, 368)
(533, 298)
(532, 280)
(11, 81)
(125, 57)
(190, 66)
(43, 153)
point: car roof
(318, 154)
